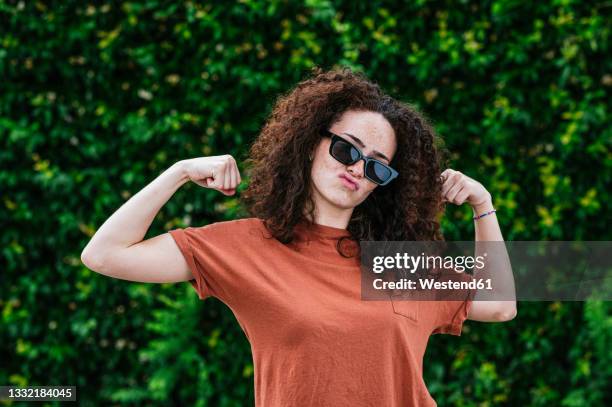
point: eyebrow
(374, 152)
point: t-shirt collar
(305, 228)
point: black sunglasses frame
(336, 138)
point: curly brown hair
(279, 168)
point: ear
(311, 155)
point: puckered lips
(349, 182)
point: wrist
(484, 206)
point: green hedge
(96, 101)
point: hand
(459, 188)
(218, 172)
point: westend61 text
(429, 284)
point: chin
(343, 201)
(338, 196)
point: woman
(338, 161)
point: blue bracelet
(484, 214)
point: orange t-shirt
(314, 341)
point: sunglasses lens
(344, 152)
(378, 172)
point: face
(373, 135)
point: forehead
(371, 127)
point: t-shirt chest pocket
(408, 309)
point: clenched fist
(459, 188)
(218, 172)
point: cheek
(319, 174)
(368, 189)
(325, 169)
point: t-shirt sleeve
(206, 250)
(453, 313)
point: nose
(357, 169)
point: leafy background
(96, 100)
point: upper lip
(351, 179)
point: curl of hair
(279, 170)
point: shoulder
(243, 223)
(236, 228)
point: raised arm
(117, 248)
(459, 188)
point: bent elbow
(90, 261)
(506, 314)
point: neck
(329, 215)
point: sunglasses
(347, 154)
